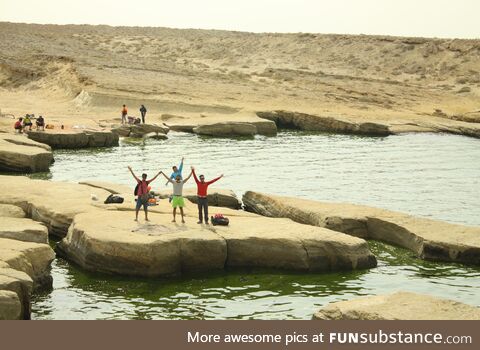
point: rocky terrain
(81, 75)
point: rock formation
(19, 154)
(75, 138)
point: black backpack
(221, 221)
(113, 199)
(135, 191)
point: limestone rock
(32, 258)
(226, 129)
(76, 138)
(19, 154)
(11, 211)
(216, 197)
(23, 229)
(429, 239)
(112, 242)
(107, 186)
(309, 122)
(10, 307)
(17, 282)
(398, 306)
(140, 130)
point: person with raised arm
(141, 191)
(176, 171)
(202, 187)
(177, 198)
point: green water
(435, 176)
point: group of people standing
(177, 200)
(125, 118)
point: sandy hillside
(83, 74)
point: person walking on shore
(124, 114)
(143, 112)
(177, 200)
(202, 187)
(141, 191)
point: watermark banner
(266, 335)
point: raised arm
(214, 180)
(133, 174)
(188, 177)
(180, 167)
(195, 175)
(153, 179)
(165, 176)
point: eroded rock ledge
(19, 154)
(398, 306)
(110, 241)
(75, 138)
(428, 239)
(309, 122)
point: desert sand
(80, 75)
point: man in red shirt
(202, 203)
(142, 193)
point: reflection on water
(430, 175)
(247, 294)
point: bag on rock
(113, 199)
(220, 220)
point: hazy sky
(432, 18)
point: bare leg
(174, 214)
(136, 214)
(181, 212)
(146, 213)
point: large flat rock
(140, 130)
(429, 239)
(398, 306)
(19, 154)
(11, 211)
(23, 229)
(32, 258)
(110, 241)
(53, 203)
(216, 197)
(82, 138)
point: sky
(429, 18)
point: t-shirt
(143, 187)
(18, 124)
(26, 120)
(177, 187)
(124, 110)
(202, 187)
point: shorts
(178, 201)
(142, 201)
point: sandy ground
(81, 75)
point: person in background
(202, 187)
(18, 126)
(40, 123)
(178, 201)
(124, 114)
(27, 122)
(142, 193)
(143, 112)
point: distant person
(202, 187)
(27, 122)
(40, 123)
(142, 191)
(177, 200)
(18, 126)
(124, 114)
(143, 112)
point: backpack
(135, 191)
(113, 199)
(220, 220)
